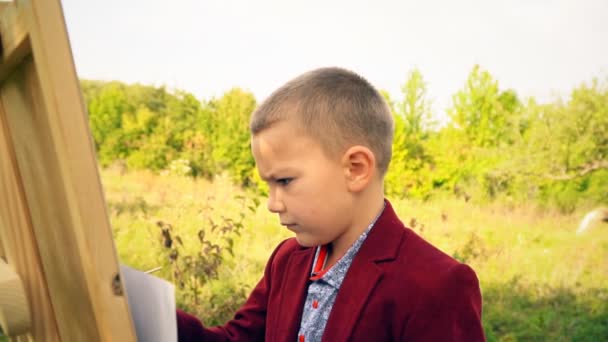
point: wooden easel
(59, 274)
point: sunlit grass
(539, 280)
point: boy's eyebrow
(271, 176)
(266, 178)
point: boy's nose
(274, 204)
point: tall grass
(538, 279)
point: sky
(539, 48)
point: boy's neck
(365, 210)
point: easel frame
(54, 227)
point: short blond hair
(334, 106)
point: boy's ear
(359, 165)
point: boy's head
(335, 107)
(320, 142)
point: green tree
(485, 123)
(565, 149)
(482, 112)
(408, 174)
(197, 141)
(230, 134)
(105, 112)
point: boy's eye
(284, 181)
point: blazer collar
(383, 241)
(382, 244)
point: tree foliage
(145, 127)
(495, 145)
(411, 161)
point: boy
(353, 272)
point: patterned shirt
(324, 287)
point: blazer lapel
(361, 279)
(382, 244)
(293, 295)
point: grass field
(539, 280)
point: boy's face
(307, 189)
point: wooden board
(54, 228)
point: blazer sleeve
(452, 312)
(248, 324)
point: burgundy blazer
(398, 288)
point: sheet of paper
(152, 305)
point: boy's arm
(189, 328)
(248, 324)
(454, 314)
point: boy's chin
(307, 241)
(303, 242)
